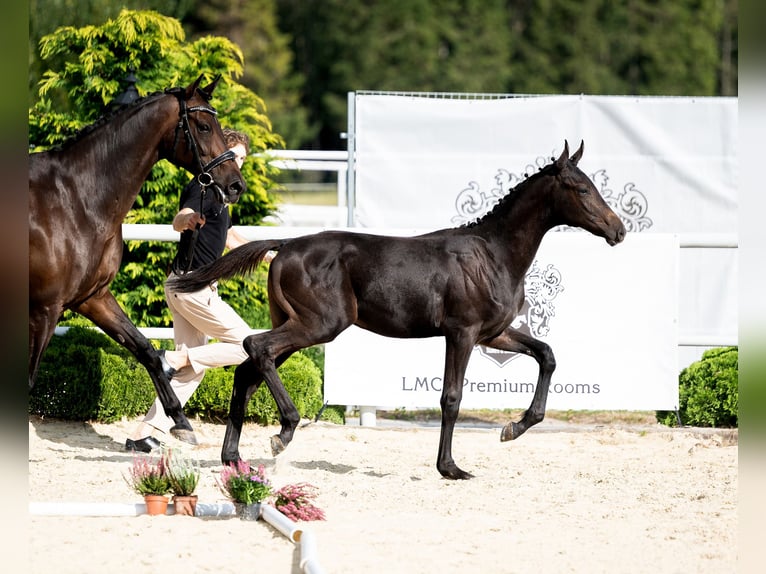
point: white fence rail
(166, 233)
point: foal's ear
(578, 154)
(207, 91)
(562, 161)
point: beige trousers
(198, 317)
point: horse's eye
(203, 127)
(582, 190)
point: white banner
(610, 315)
(665, 164)
(669, 163)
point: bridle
(204, 178)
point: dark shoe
(146, 444)
(166, 368)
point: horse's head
(578, 203)
(206, 154)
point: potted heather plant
(246, 487)
(296, 501)
(148, 478)
(183, 474)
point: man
(198, 316)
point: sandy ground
(562, 498)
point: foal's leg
(457, 355)
(515, 341)
(268, 351)
(247, 379)
(104, 311)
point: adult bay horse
(465, 284)
(79, 195)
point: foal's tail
(239, 261)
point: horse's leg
(247, 379)
(515, 341)
(105, 312)
(456, 361)
(42, 324)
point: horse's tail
(239, 261)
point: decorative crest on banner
(541, 286)
(630, 204)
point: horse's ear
(191, 88)
(578, 154)
(208, 90)
(562, 161)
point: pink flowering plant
(296, 501)
(244, 484)
(148, 476)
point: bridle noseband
(203, 177)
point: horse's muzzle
(232, 194)
(616, 234)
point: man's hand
(193, 218)
(187, 219)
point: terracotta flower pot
(185, 505)
(155, 504)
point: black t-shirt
(211, 238)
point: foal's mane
(506, 202)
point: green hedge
(708, 391)
(86, 376)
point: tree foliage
(85, 73)
(253, 26)
(304, 56)
(511, 46)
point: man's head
(239, 142)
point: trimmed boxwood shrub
(302, 380)
(708, 391)
(85, 375)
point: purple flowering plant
(296, 501)
(244, 484)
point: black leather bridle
(203, 177)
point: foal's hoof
(277, 445)
(185, 435)
(508, 432)
(452, 472)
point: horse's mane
(509, 198)
(109, 115)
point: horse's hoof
(277, 445)
(185, 435)
(507, 433)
